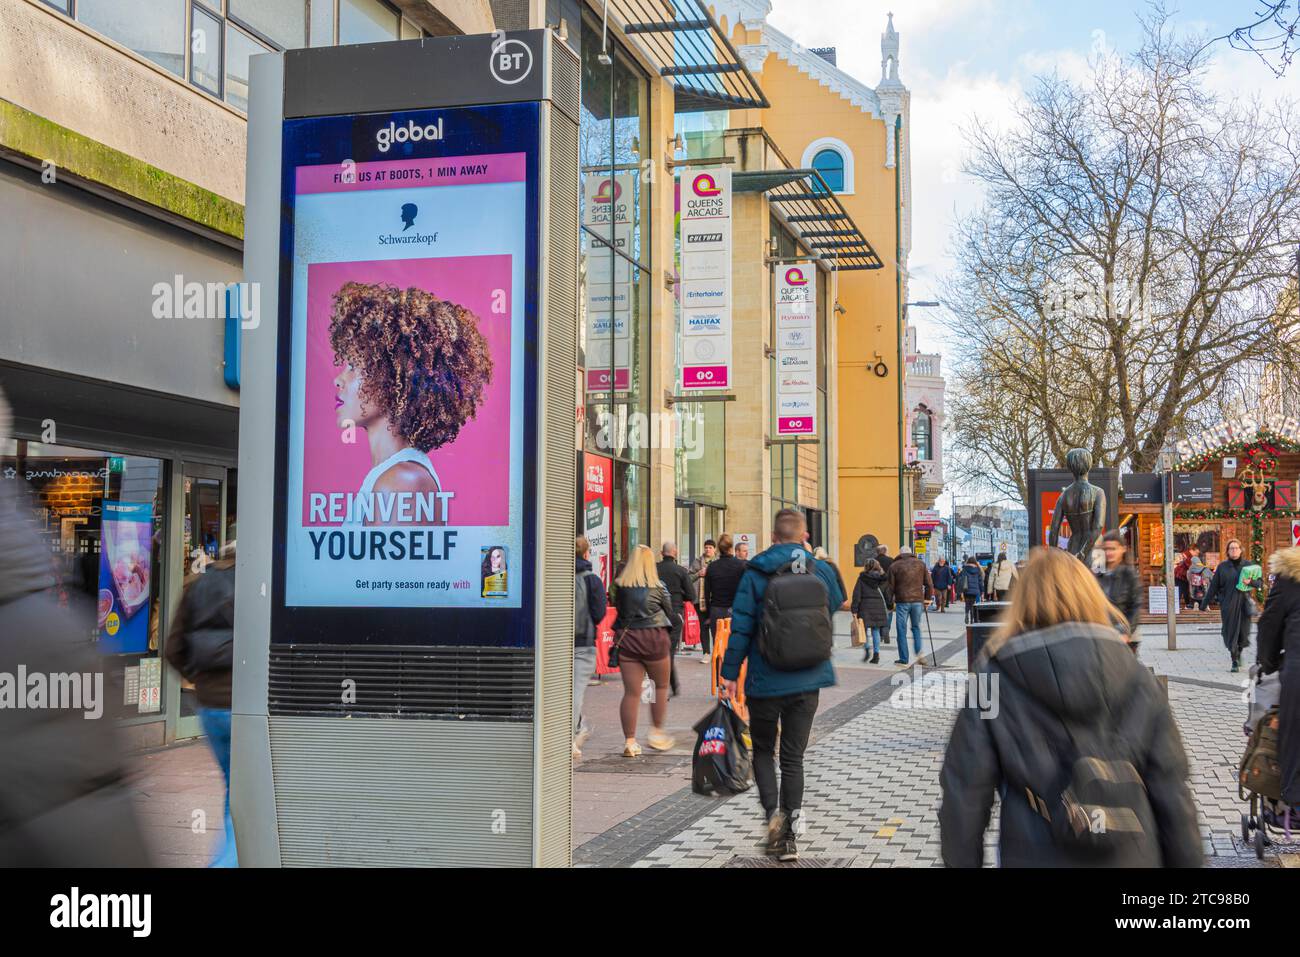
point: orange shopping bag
(721, 632)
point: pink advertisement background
(476, 465)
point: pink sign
(794, 425)
(704, 377)
(401, 174)
(598, 379)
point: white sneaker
(798, 823)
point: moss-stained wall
(27, 134)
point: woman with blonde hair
(1073, 734)
(641, 637)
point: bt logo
(705, 185)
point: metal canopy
(802, 196)
(682, 35)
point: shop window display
(102, 515)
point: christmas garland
(1256, 522)
(1262, 452)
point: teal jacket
(762, 680)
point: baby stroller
(1260, 775)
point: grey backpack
(584, 629)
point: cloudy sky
(966, 58)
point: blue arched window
(830, 164)
(922, 435)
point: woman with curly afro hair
(414, 371)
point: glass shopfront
(125, 533)
(614, 278)
(104, 517)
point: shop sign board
(705, 288)
(608, 209)
(598, 512)
(1238, 431)
(1189, 487)
(796, 350)
(1141, 488)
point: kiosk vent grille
(486, 684)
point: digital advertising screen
(407, 378)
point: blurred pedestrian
(943, 578)
(1279, 650)
(1181, 570)
(909, 581)
(721, 581)
(64, 798)
(641, 632)
(201, 646)
(1073, 733)
(680, 590)
(869, 606)
(970, 585)
(589, 607)
(882, 556)
(1235, 605)
(1002, 575)
(699, 567)
(822, 555)
(1120, 584)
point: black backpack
(584, 629)
(795, 632)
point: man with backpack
(781, 624)
(680, 591)
(589, 604)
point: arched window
(830, 164)
(921, 435)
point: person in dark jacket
(909, 581)
(64, 798)
(587, 617)
(698, 569)
(721, 581)
(882, 556)
(780, 702)
(641, 633)
(1062, 687)
(943, 578)
(1120, 584)
(970, 585)
(200, 645)
(869, 606)
(1235, 606)
(680, 590)
(1279, 650)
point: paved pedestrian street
(872, 771)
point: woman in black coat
(1235, 606)
(870, 605)
(1279, 642)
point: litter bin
(987, 615)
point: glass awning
(813, 212)
(684, 39)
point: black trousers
(793, 715)
(675, 641)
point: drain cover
(802, 862)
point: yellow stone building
(858, 137)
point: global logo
(705, 185)
(607, 192)
(795, 277)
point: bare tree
(1127, 265)
(1273, 34)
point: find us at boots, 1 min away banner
(796, 350)
(705, 197)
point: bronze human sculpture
(1083, 505)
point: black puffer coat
(869, 599)
(1124, 590)
(64, 798)
(1083, 676)
(1279, 650)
